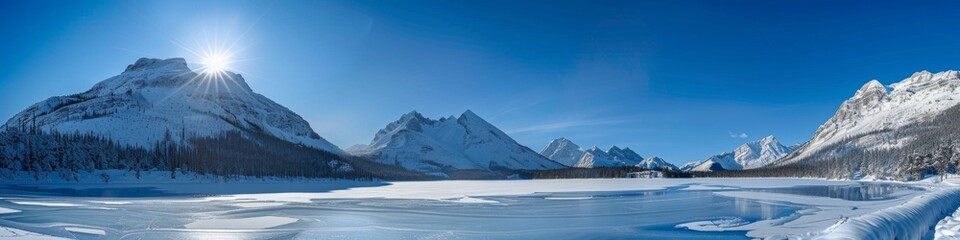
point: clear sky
(678, 79)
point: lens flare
(215, 63)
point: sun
(215, 63)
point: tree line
(601, 172)
(40, 154)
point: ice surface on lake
(86, 230)
(7, 210)
(523, 209)
(241, 223)
(46, 204)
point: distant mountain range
(755, 154)
(566, 152)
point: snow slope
(948, 228)
(153, 97)
(873, 108)
(431, 146)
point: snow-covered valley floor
(519, 209)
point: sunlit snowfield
(542, 209)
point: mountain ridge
(860, 121)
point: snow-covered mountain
(625, 155)
(722, 161)
(880, 119)
(617, 157)
(563, 151)
(566, 152)
(432, 146)
(760, 153)
(750, 155)
(653, 162)
(153, 97)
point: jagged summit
(566, 152)
(154, 96)
(872, 86)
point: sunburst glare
(215, 63)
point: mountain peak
(151, 63)
(614, 148)
(563, 151)
(654, 162)
(924, 80)
(412, 115)
(921, 74)
(759, 153)
(872, 87)
(561, 140)
(468, 117)
(469, 114)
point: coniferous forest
(68, 155)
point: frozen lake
(543, 209)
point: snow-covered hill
(432, 146)
(153, 97)
(750, 155)
(876, 119)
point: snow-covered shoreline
(909, 220)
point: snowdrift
(910, 220)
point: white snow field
(704, 208)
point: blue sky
(677, 79)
